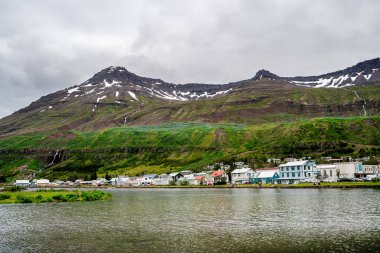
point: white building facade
(242, 176)
(328, 172)
(294, 172)
(349, 169)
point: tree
(2, 179)
(94, 175)
(108, 177)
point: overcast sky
(49, 45)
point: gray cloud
(47, 45)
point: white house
(135, 181)
(148, 179)
(328, 171)
(273, 160)
(190, 178)
(119, 181)
(42, 182)
(22, 183)
(163, 179)
(175, 176)
(294, 172)
(219, 176)
(242, 176)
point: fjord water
(199, 220)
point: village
(292, 171)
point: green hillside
(133, 150)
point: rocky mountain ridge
(113, 81)
(116, 97)
(362, 73)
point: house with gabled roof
(219, 176)
(148, 179)
(266, 177)
(175, 176)
(242, 176)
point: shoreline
(350, 185)
(336, 185)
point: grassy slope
(170, 147)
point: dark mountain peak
(365, 66)
(120, 74)
(264, 74)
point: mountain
(119, 122)
(363, 73)
(116, 97)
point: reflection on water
(199, 220)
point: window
(293, 174)
(287, 168)
(282, 169)
(292, 168)
(324, 173)
(299, 174)
(330, 173)
(309, 174)
(287, 174)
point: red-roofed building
(219, 176)
(199, 180)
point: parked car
(345, 179)
(307, 180)
(370, 177)
(329, 180)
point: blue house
(266, 177)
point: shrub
(59, 198)
(183, 182)
(14, 188)
(24, 199)
(4, 196)
(72, 197)
(93, 195)
(39, 198)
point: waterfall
(54, 158)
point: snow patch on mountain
(133, 95)
(101, 98)
(76, 89)
(107, 84)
